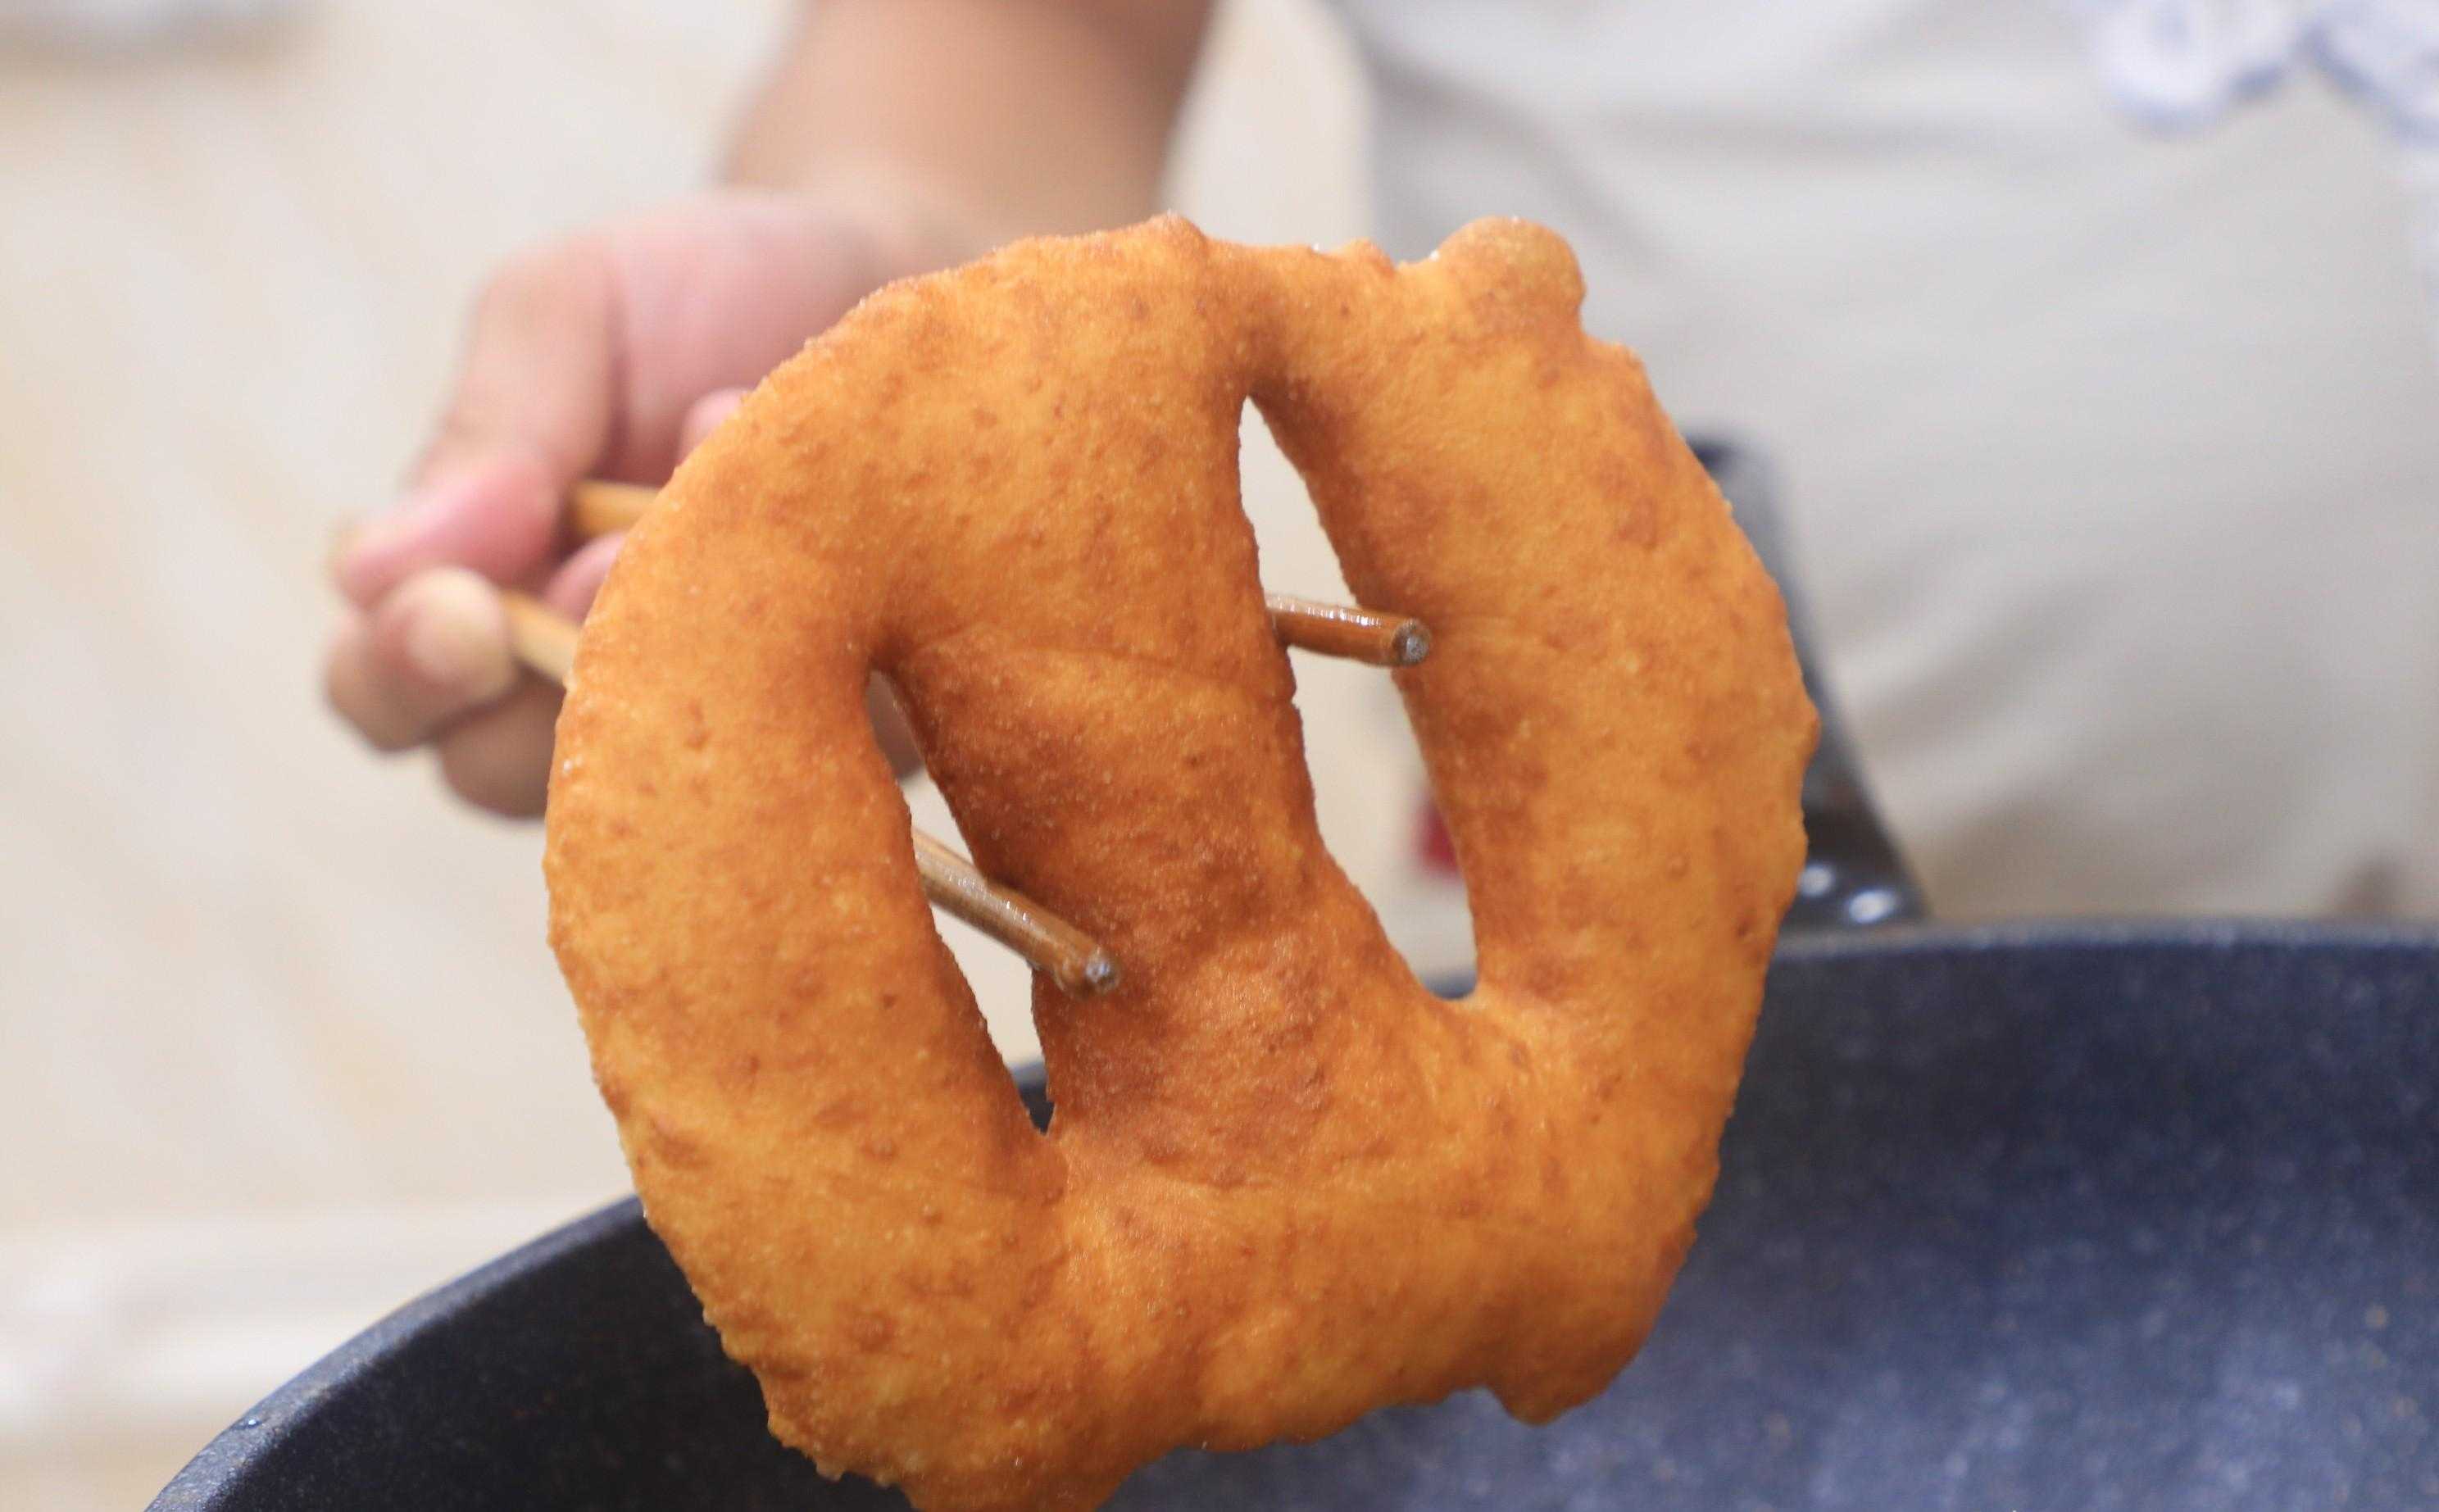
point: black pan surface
(2085, 1217)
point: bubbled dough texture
(1285, 1184)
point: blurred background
(2098, 384)
(284, 1044)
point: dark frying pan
(2082, 1216)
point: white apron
(2110, 454)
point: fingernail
(455, 637)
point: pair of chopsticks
(544, 642)
(597, 509)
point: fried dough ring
(1285, 1184)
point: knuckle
(465, 429)
(542, 308)
(533, 278)
(555, 282)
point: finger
(353, 688)
(715, 294)
(530, 414)
(499, 759)
(704, 417)
(578, 578)
(429, 653)
(573, 585)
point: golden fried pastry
(1285, 1184)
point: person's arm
(895, 136)
(1010, 117)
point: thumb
(530, 413)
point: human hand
(605, 355)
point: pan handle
(1853, 876)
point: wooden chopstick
(596, 508)
(1345, 630)
(545, 642)
(1068, 955)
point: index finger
(531, 413)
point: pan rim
(2223, 933)
(218, 1476)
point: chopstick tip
(1098, 975)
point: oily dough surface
(1285, 1184)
